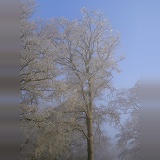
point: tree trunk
(90, 142)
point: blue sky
(137, 21)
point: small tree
(128, 102)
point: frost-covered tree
(72, 63)
(37, 69)
(128, 101)
(87, 58)
(38, 74)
